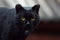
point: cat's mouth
(26, 30)
(28, 27)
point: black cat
(23, 21)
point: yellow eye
(33, 19)
(23, 19)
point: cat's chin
(26, 32)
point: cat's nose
(28, 22)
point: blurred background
(49, 28)
(50, 9)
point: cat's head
(27, 19)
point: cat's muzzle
(28, 27)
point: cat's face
(27, 19)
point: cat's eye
(23, 19)
(32, 19)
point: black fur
(12, 27)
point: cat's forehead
(26, 13)
(29, 13)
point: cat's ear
(19, 8)
(36, 8)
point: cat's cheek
(34, 23)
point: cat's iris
(32, 19)
(23, 19)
